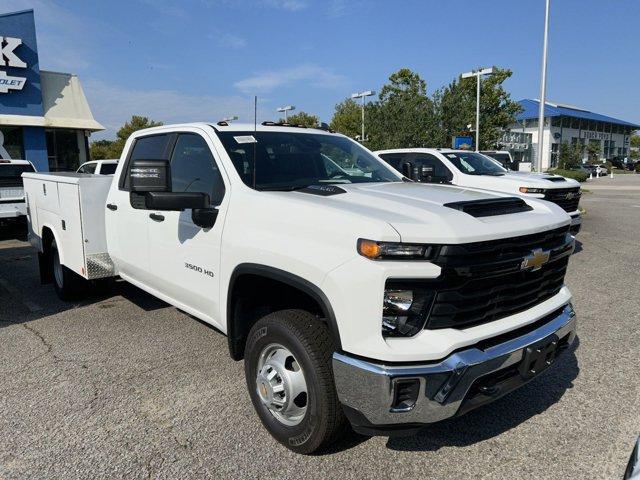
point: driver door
(184, 259)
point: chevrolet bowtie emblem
(569, 195)
(535, 260)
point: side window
(395, 160)
(193, 168)
(153, 147)
(88, 168)
(431, 169)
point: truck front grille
(484, 281)
(566, 198)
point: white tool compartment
(72, 206)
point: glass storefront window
(62, 150)
(13, 142)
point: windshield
(290, 160)
(473, 163)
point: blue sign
(463, 143)
(20, 92)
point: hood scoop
(323, 190)
(555, 179)
(491, 207)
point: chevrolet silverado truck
(473, 169)
(12, 203)
(353, 294)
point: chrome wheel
(281, 385)
(58, 274)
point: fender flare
(289, 279)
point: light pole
(543, 89)
(478, 74)
(229, 119)
(286, 109)
(363, 96)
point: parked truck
(12, 203)
(352, 294)
(473, 169)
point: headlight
(531, 190)
(404, 310)
(394, 251)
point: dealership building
(44, 116)
(571, 125)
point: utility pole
(543, 89)
(478, 74)
(363, 96)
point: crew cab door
(126, 219)
(184, 258)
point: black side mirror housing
(204, 217)
(150, 176)
(407, 170)
(176, 201)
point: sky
(202, 60)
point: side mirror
(204, 217)
(407, 170)
(150, 176)
(176, 201)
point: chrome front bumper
(462, 381)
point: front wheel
(290, 380)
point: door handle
(111, 206)
(156, 217)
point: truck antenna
(255, 130)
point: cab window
(193, 168)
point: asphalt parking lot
(125, 386)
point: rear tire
(290, 380)
(68, 284)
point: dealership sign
(9, 58)
(588, 134)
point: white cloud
(314, 75)
(113, 105)
(229, 40)
(290, 5)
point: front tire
(290, 380)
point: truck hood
(512, 181)
(418, 213)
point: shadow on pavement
(24, 298)
(16, 230)
(496, 418)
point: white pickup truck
(471, 169)
(354, 296)
(12, 203)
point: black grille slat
(482, 281)
(559, 197)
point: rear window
(10, 173)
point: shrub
(575, 174)
(637, 167)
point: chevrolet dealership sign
(9, 58)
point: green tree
(303, 118)
(564, 156)
(403, 115)
(347, 118)
(593, 150)
(457, 107)
(100, 149)
(634, 151)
